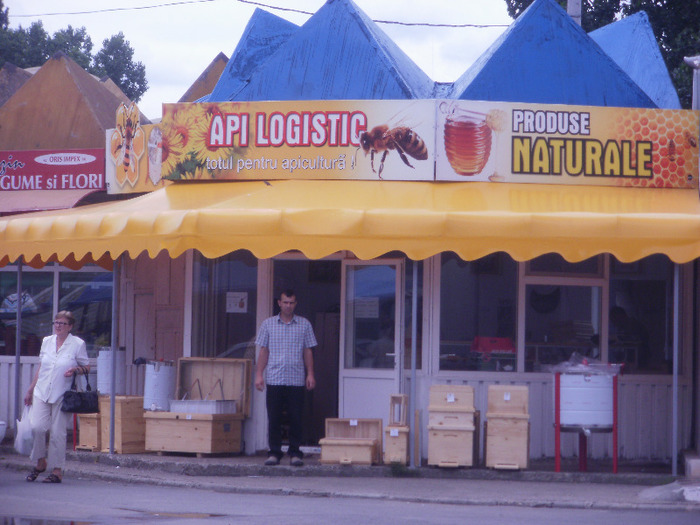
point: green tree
(4, 17)
(75, 43)
(676, 25)
(594, 13)
(116, 60)
(32, 47)
(24, 47)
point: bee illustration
(127, 144)
(692, 141)
(401, 138)
(672, 151)
(127, 121)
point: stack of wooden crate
(129, 426)
(507, 427)
(90, 432)
(396, 432)
(451, 426)
(352, 442)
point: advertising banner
(551, 144)
(410, 140)
(351, 139)
(74, 169)
(134, 154)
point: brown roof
(111, 86)
(61, 106)
(11, 79)
(207, 80)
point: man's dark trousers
(279, 398)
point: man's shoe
(272, 461)
(296, 462)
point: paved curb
(227, 485)
(246, 475)
(252, 466)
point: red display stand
(583, 438)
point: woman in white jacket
(62, 355)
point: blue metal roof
(339, 53)
(545, 57)
(630, 42)
(262, 36)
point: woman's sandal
(52, 478)
(34, 474)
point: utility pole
(573, 8)
(694, 62)
(690, 461)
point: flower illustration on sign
(186, 147)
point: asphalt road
(92, 501)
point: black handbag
(76, 402)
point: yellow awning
(368, 218)
(33, 200)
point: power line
(259, 4)
(423, 24)
(112, 9)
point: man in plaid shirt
(286, 365)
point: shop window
(640, 317)
(478, 313)
(560, 320)
(86, 293)
(224, 305)
(36, 304)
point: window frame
(56, 270)
(525, 279)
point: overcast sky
(177, 39)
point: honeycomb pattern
(674, 150)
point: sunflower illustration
(199, 173)
(176, 126)
(173, 152)
(186, 142)
(200, 135)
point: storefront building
(483, 282)
(52, 156)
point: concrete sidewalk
(464, 486)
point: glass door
(372, 349)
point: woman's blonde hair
(65, 314)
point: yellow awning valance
(368, 218)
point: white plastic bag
(24, 439)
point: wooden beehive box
(507, 442)
(222, 379)
(206, 380)
(398, 410)
(352, 441)
(451, 419)
(451, 398)
(90, 432)
(507, 400)
(194, 433)
(396, 444)
(129, 424)
(507, 429)
(451, 447)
